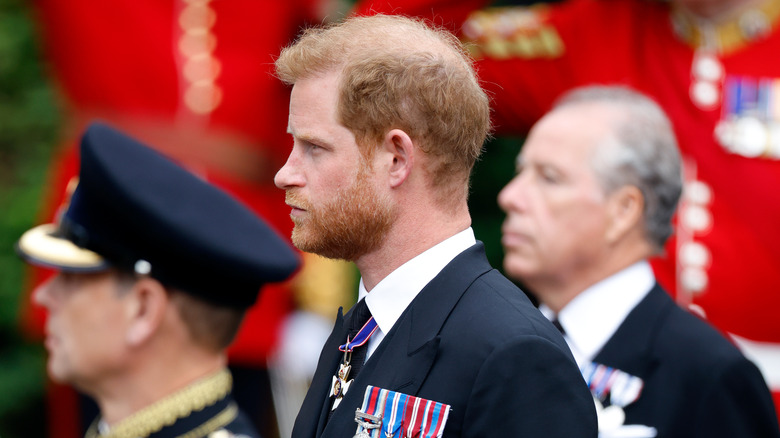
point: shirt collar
(391, 296)
(594, 315)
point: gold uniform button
(696, 218)
(197, 15)
(203, 97)
(705, 94)
(698, 192)
(196, 41)
(695, 255)
(202, 68)
(694, 279)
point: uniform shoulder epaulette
(512, 32)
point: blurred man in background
(598, 181)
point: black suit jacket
(473, 340)
(696, 383)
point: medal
(750, 124)
(367, 423)
(390, 414)
(369, 419)
(621, 388)
(340, 385)
(609, 418)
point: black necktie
(558, 325)
(360, 315)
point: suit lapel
(630, 349)
(418, 329)
(311, 418)
(416, 344)
(387, 365)
(407, 353)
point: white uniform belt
(766, 356)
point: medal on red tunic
(750, 123)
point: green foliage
(28, 126)
(491, 173)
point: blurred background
(29, 120)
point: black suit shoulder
(731, 396)
(498, 355)
(502, 308)
(696, 382)
(694, 338)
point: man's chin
(56, 372)
(520, 268)
(300, 239)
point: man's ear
(625, 209)
(146, 308)
(400, 150)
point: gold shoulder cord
(165, 412)
(745, 26)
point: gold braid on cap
(196, 397)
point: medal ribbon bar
(400, 415)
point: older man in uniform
(713, 67)
(156, 270)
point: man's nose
(42, 295)
(288, 176)
(512, 196)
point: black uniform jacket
(204, 409)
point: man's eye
(549, 176)
(312, 146)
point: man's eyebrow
(309, 138)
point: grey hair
(643, 153)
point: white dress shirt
(593, 316)
(391, 296)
